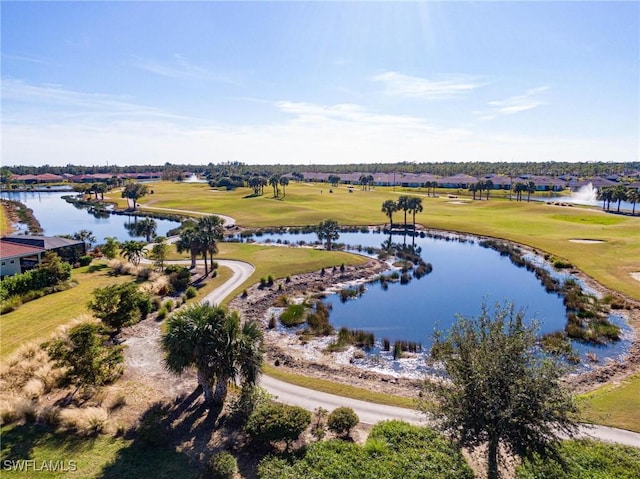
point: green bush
(585, 459)
(85, 260)
(222, 465)
(394, 450)
(342, 420)
(191, 292)
(293, 315)
(277, 422)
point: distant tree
(415, 206)
(99, 189)
(277, 422)
(342, 420)
(530, 188)
(274, 181)
(473, 188)
(404, 204)
(133, 251)
(134, 191)
(328, 231)
(87, 356)
(86, 236)
(146, 227)
(210, 230)
(488, 185)
(605, 195)
(619, 194)
(388, 208)
(500, 389)
(190, 241)
(159, 252)
(333, 180)
(284, 181)
(633, 197)
(119, 305)
(111, 247)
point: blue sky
(319, 82)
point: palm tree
(605, 195)
(633, 197)
(147, 227)
(216, 343)
(415, 206)
(210, 231)
(284, 181)
(273, 181)
(531, 188)
(404, 204)
(473, 188)
(619, 194)
(238, 356)
(133, 251)
(488, 185)
(110, 247)
(189, 241)
(329, 231)
(85, 236)
(388, 208)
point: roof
(13, 250)
(46, 242)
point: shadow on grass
(152, 452)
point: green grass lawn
(94, 457)
(37, 319)
(616, 405)
(545, 227)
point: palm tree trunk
(220, 393)
(206, 383)
(193, 259)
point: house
(22, 253)
(457, 181)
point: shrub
(191, 292)
(162, 313)
(277, 422)
(222, 465)
(293, 315)
(342, 420)
(152, 428)
(85, 260)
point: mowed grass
(37, 319)
(536, 224)
(616, 405)
(101, 457)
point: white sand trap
(586, 241)
(635, 275)
(458, 202)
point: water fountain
(586, 195)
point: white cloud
(181, 69)
(516, 104)
(398, 84)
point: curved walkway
(369, 413)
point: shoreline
(286, 351)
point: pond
(57, 217)
(464, 275)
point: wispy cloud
(182, 69)
(398, 84)
(516, 104)
(64, 102)
(25, 58)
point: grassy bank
(545, 227)
(614, 405)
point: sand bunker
(458, 202)
(635, 275)
(586, 241)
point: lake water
(57, 217)
(464, 275)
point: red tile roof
(12, 250)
